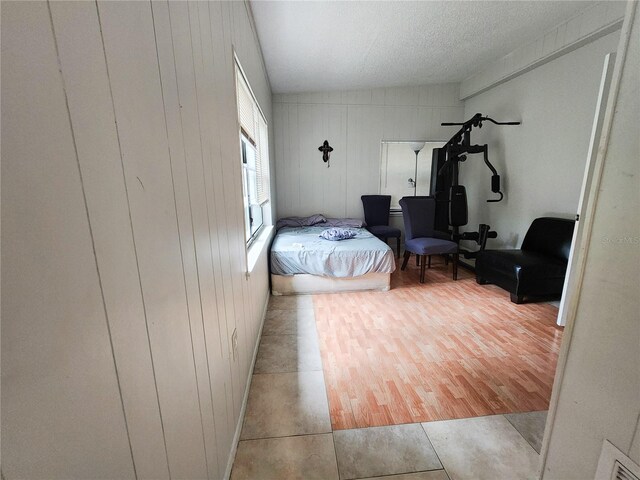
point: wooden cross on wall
(326, 150)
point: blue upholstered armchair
(376, 214)
(421, 238)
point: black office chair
(421, 238)
(376, 214)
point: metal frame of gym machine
(451, 197)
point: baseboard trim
(236, 436)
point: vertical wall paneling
(138, 100)
(180, 104)
(354, 122)
(123, 238)
(83, 65)
(218, 68)
(217, 217)
(238, 251)
(62, 414)
(215, 333)
(366, 129)
(234, 232)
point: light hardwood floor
(434, 351)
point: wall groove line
(184, 276)
(224, 239)
(89, 225)
(220, 304)
(135, 248)
(202, 161)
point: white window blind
(254, 127)
(262, 161)
(246, 112)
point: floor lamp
(416, 147)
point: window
(252, 209)
(255, 158)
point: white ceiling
(326, 45)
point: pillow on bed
(335, 234)
(345, 222)
(300, 221)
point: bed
(302, 262)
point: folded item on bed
(337, 234)
(297, 250)
(300, 221)
(344, 222)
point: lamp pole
(416, 147)
(415, 176)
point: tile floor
(287, 430)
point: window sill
(254, 251)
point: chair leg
(407, 254)
(423, 264)
(455, 266)
(398, 247)
(517, 298)
(417, 260)
(429, 262)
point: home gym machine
(451, 197)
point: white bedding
(300, 250)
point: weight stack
(440, 186)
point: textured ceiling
(317, 46)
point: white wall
(600, 19)
(122, 246)
(599, 396)
(354, 122)
(541, 162)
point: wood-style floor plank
(434, 351)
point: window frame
(245, 142)
(263, 173)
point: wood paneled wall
(354, 122)
(123, 255)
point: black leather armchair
(538, 268)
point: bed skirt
(306, 284)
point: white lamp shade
(416, 146)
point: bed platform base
(306, 284)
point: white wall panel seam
(208, 220)
(202, 159)
(228, 212)
(139, 101)
(126, 188)
(93, 246)
(223, 338)
(184, 276)
(227, 286)
(213, 269)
